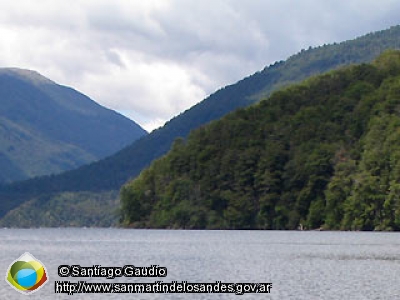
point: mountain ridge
(111, 172)
(48, 128)
(320, 154)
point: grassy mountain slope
(322, 153)
(112, 172)
(46, 128)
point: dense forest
(321, 154)
(66, 210)
(111, 173)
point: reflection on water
(300, 265)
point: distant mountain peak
(46, 128)
(28, 75)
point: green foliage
(111, 173)
(321, 154)
(66, 209)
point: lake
(299, 264)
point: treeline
(66, 210)
(111, 173)
(321, 154)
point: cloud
(144, 87)
(152, 59)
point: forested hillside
(324, 153)
(111, 173)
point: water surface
(300, 265)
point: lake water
(300, 265)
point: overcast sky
(152, 59)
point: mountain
(324, 153)
(47, 128)
(112, 172)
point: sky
(152, 59)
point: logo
(26, 274)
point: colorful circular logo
(26, 274)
